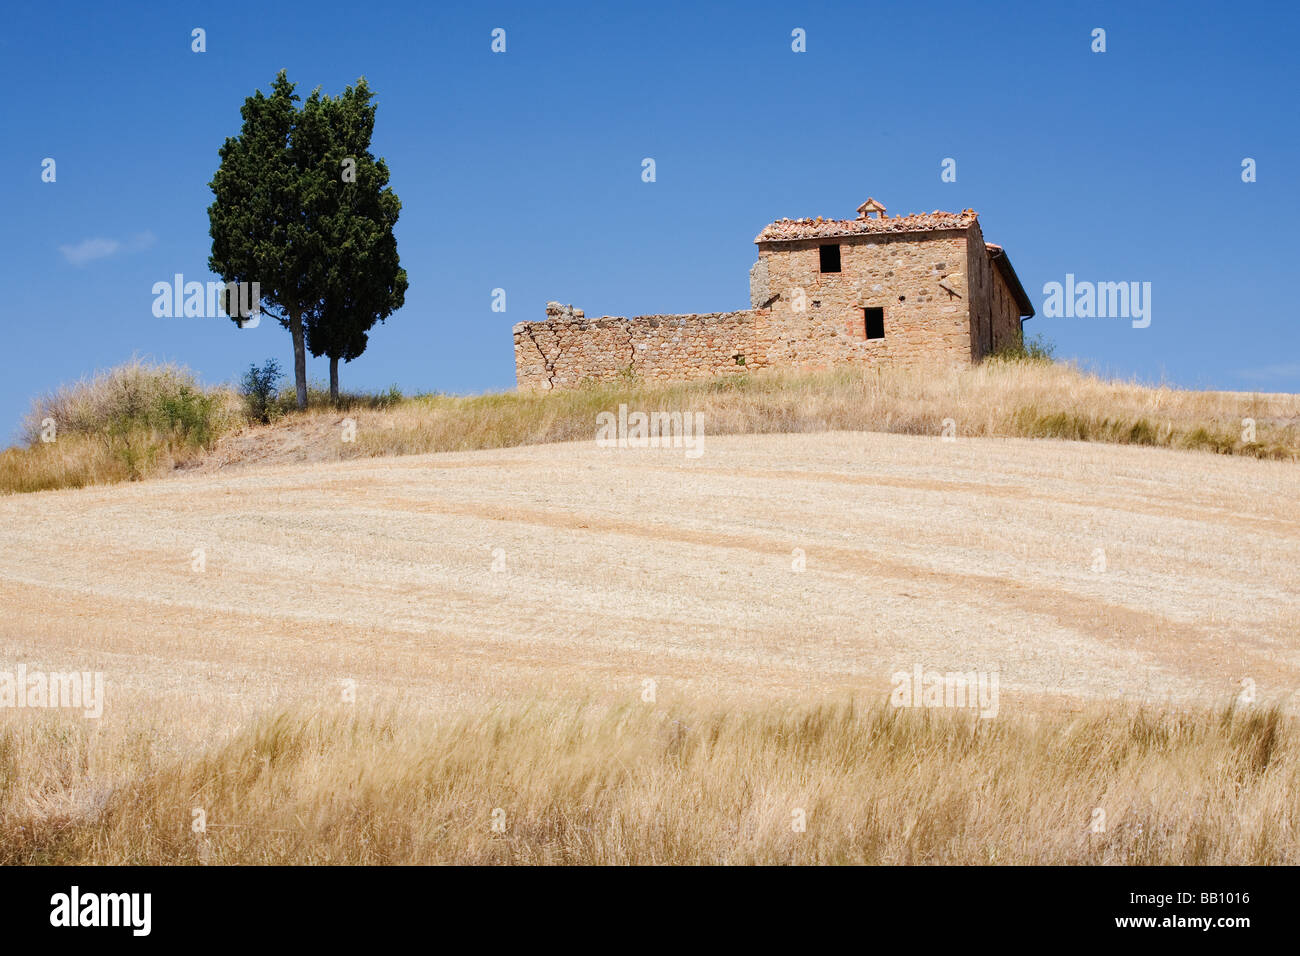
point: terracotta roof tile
(789, 230)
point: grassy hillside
(770, 740)
(141, 420)
(130, 422)
(637, 784)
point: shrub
(137, 396)
(121, 424)
(1037, 349)
(259, 388)
(285, 401)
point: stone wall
(945, 304)
(569, 349)
(995, 314)
(917, 280)
(1007, 330)
(981, 272)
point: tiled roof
(788, 230)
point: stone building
(918, 290)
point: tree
(258, 388)
(354, 213)
(268, 177)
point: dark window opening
(830, 256)
(875, 323)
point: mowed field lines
(1076, 571)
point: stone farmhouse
(918, 290)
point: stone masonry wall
(945, 305)
(569, 349)
(1007, 331)
(918, 281)
(981, 272)
(995, 314)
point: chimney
(870, 206)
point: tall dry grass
(1019, 399)
(139, 420)
(128, 422)
(637, 784)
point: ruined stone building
(918, 290)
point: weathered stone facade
(912, 291)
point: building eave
(1003, 262)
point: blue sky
(522, 170)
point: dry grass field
(497, 615)
(141, 420)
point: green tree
(258, 388)
(354, 213)
(268, 178)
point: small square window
(874, 321)
(830, 257)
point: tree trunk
(299, 358)
(334, 379)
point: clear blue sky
(523, 170)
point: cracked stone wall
(564, 352)
(945, 305)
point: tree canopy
(364, 282)
(304, 208)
